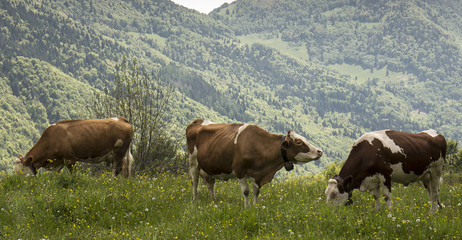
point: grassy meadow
(76, 206)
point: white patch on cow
(118, 143)
(438, 164)
(241, 128)
(375, 184)
(115, 118)
(371, 183)
(304, 157)
(294, 136)
(333, 195)
(431, 132)
(207, 122)
(313, 152)
(398, 175)
(382, 137)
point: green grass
(296, 51)
(361, 75)
(65, 206)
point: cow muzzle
(319, 151)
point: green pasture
(76, 206)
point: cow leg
(440, 205)
(431, 182)
(426, 180)
(428, 183)
(433, 192)
(210, 182)
(436, 179)
(256, 192)
(116, 167)
(70, 165)
(386, 191)
(194, 172)
(245, 191)
(376, 194)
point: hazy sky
(203, 6)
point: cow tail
(127, 164)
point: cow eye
(298, 142)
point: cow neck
(287, 164)
(354, 172)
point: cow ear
(26, 161)
(285, 144)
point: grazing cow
(91, 141)
(237, 150)
(379, 158)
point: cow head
(338, 190)
(23, 165)
(298, 149)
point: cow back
(83, 139)
(215, 147)
(376, 152)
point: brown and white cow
(242, 151)
(379, 158)
(91, 141)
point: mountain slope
(408, 52)
(317, 72)
(33, 92)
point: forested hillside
(329, 71)
(407, 54)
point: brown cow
(237, 150)
(91, 141)
(379, 158)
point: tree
(144, 101)
(453, 157)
